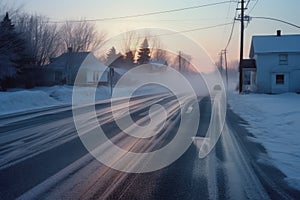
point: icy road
(42, 157)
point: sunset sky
(213, 40)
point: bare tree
(157, 49)
(81, 36)
(130, 42)
(186, 62)
(182, 61)
(41, 36)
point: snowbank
(64, 93)
(275, 122)
(18, 100)
(21, 100)
(24, 100)
(42, 97)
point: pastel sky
(213, 40)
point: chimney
(278, 33)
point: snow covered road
(42, 157)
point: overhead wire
(253, 7)
(230, 36)
(149, 14)
(189, 30)
(247, 4)
(227, 16)
(278, 20)
(231, 32)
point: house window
(279, 79)
(95, 77)
(283, 59)
(247, 77)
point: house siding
(295, 81)
(263, 76)
(268, 66)
(81, 66)
(94, 68)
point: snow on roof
(275, 44)
(74, 59)
(159, 63)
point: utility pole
(179, 61)
(111, 74)
(221, 63)
(226, 67)
(241, 46)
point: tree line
(130, 58)
(136, 50)
(30, 41)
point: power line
(247, 4)
(183, 31)
(232, 29)
(189, 30)
(228, 10)
(253, 7)
(150, 13)
(230, 36)
(203, 28)
(224, 30)
(278, 20)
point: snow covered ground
(275, 122)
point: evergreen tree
(7, 67)
(144, 53)
(111, 55)
(13, 52)
(129, 58)
(114, 59)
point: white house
(65, 68)
(276, 66)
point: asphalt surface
(42, 157)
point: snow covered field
(275, 122)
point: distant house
(274, 66)
(158, 66)
(65, 68)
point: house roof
(120, 71)
(275, 44)
(74, 59)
